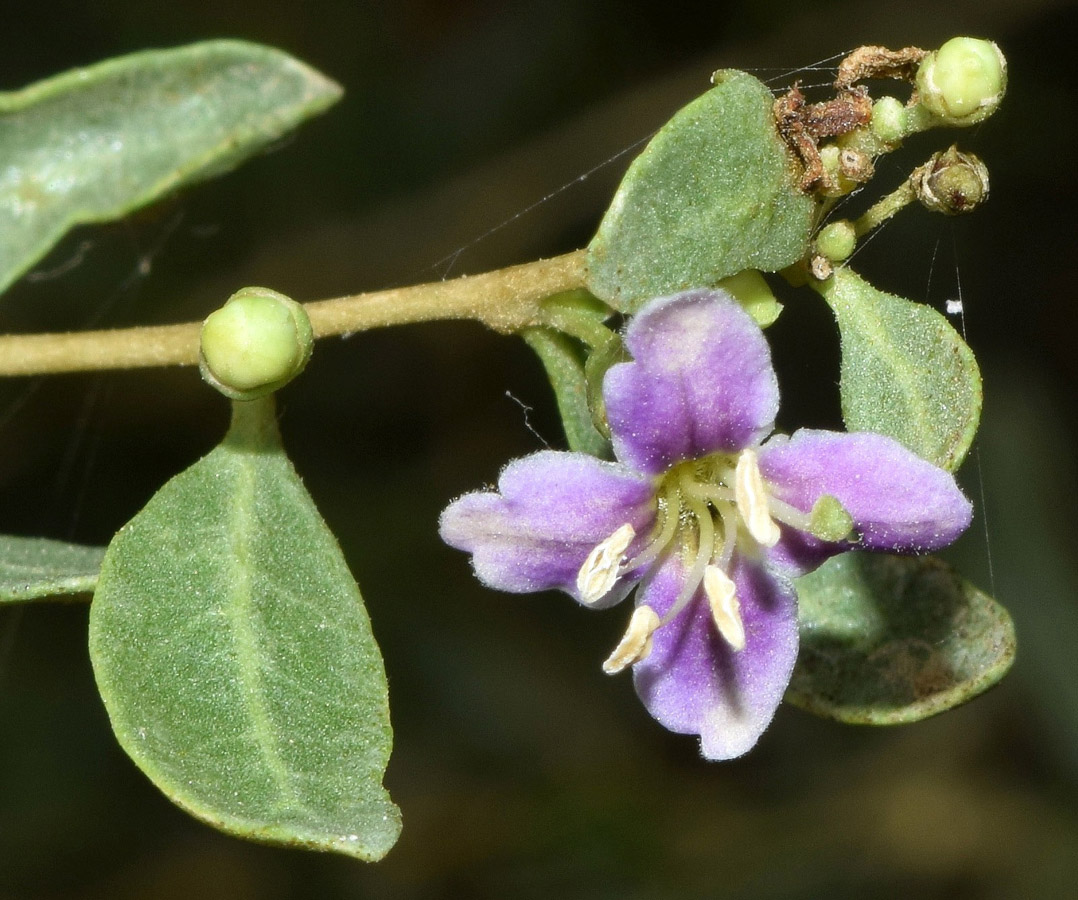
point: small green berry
(836, 240)
(254, 344)
(963, 82)
(889, 120)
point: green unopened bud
(752, 292)
(254, 344)
(836, 240)
(834, 183)
(829, 520)
(963, 81)
(951, 182)
(889, 120)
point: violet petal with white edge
(898, 501)
(693, 682)
(700, 381)
(550, 511)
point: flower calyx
(951, 182)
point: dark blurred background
(521, 770)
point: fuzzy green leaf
(235, 657)
(93, 144)
(42, 569)
(714, 193)
(887, 640)
(906, 372)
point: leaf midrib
(242, 615)
(870, 330)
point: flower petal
(700, 381)
(898, 501)
(551, 510)
(693, 682)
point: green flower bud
(889, 120)
(951, 182)
(963, 81)
(844, 170)
(254, 344)
(834, 183)
(836, 240)
(752, 292)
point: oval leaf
(41, 569)
(235, 657)
(887, 640)
(713, 193)
(906, 372)
(93, 144)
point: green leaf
(93, 144)
(906, 372)
(887, 640)
(235, 657)
(41, 569)
(564, 366)
(714, 193)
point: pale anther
(636, 644)
(600, 570)
(751, 497)
(725, 608)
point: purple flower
(710, 522)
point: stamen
(790, 515)
(829, 520)
(752, 500)
(600, 570)
(729, 528)
(636, 645)
(706, 532)
(658, 543)
(711, 493)
(725, 608)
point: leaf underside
(887, 640)
(236, 660)
(714, 193)
(43, 569)
(93, 144)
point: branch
(505, 300)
